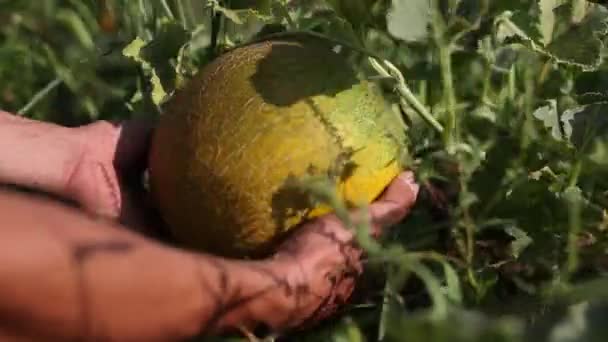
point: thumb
(396, 202)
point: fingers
(396, 201)
(327, 255)
(392, 206)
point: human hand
(90, 165)
(319, 265)
(106, 179)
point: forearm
(36, 154)
(65, 276)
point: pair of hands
(313, 272)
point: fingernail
(410, 181)
(408, 177)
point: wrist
(35, 154)
(257, 293)
(72, 163)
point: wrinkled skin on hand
(149, 290)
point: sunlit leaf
(409, 20)
(550, 117)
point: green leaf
(572, 42)
(520, 242)
(158, 91)
(166, 44)
(579, 125)
(586, 123)
(133, 49)
(433, 286)
(525, 17)
(573, 194)
(453, 290)
(409, 20)
(550, 117)
(580, 44)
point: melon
(229, 144)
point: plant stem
(410, 99)
(512, 84)
(445, 61)
(146, 20)
(216, 21)
(405, 92)
(39, 96)
(422, 91)
(142, 9)
(182, 13)
(167, 9)
(574, 222)
(469, 229)
(451, 131)
(576, 171)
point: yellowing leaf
(158, 92)
(133, 49)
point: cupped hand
(322, 260)
(314, 272)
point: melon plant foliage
(506, 105)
